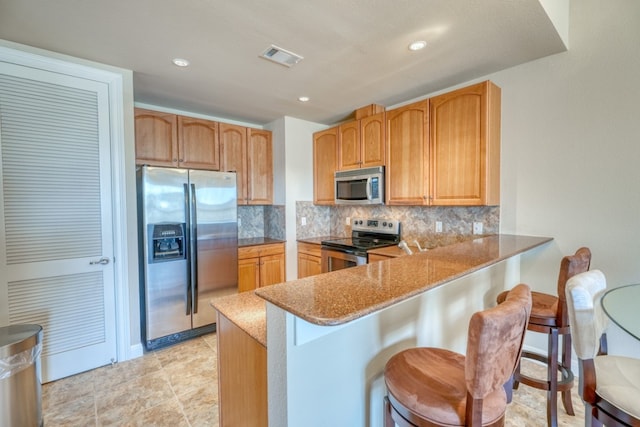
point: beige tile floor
(176, 386)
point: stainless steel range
(366, 233)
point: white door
(56, 238)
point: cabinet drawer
(260, 250)
(309, 249)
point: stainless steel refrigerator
(188, 238)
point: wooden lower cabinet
(242, 383)
(260, 265)
(309, 260)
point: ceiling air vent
(281, 56)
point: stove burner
(367, 234)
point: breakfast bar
(329, 336)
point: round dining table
(622, 306)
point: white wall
(295, 176)
(570, 151)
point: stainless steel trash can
(20, 381)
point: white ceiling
(355, 51)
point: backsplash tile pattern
(318, 220)
(275, 222)
(261, 221)
(418, 222)
(250, 221)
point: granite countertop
(316, 240)
(255, 241)
(392, 251)
(345, 295)
(247, 311)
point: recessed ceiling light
(303, 99)
(417, 45)
(180, 62)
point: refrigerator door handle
(187, 212)
(194, 249)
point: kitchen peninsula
(329, 336)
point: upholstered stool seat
(549, 316)
(440, 403)
(437, 387)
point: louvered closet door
(56, 231)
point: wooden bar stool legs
(552, 385)
(549, 316)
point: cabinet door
(463, 156)
(248, 274)
(198, 144)
(156, 138)
(408, 155)
(271, 269)
(233, 155)
(325, 152)
(349, 146)
(372, 140)
(308, 265)
(259, 167)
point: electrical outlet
(438, 226)
(239, 222)
(477, 228)
(303, 220)
(347, 221)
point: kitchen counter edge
(342, 296)
(247, 311)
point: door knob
(103, 261)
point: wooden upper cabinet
(165, 139)
(361, 143)
(156, 138)
(349, 146)
(407, 168)
(233, 155)
(325, 158)
(465, 146)
(249, 153)
(372, 137)
(198, 146)
(259, 167)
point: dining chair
(433, 386)
(549, 316)
(609, 385)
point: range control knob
(384, 224)
(390, 225)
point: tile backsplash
(417, 222)
(261, 221)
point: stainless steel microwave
(360, 186)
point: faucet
(419, 247)
(403, 245)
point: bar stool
(437, 387)
(609, 388)
(549, 316)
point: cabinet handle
(175, 160)
(182, 160)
